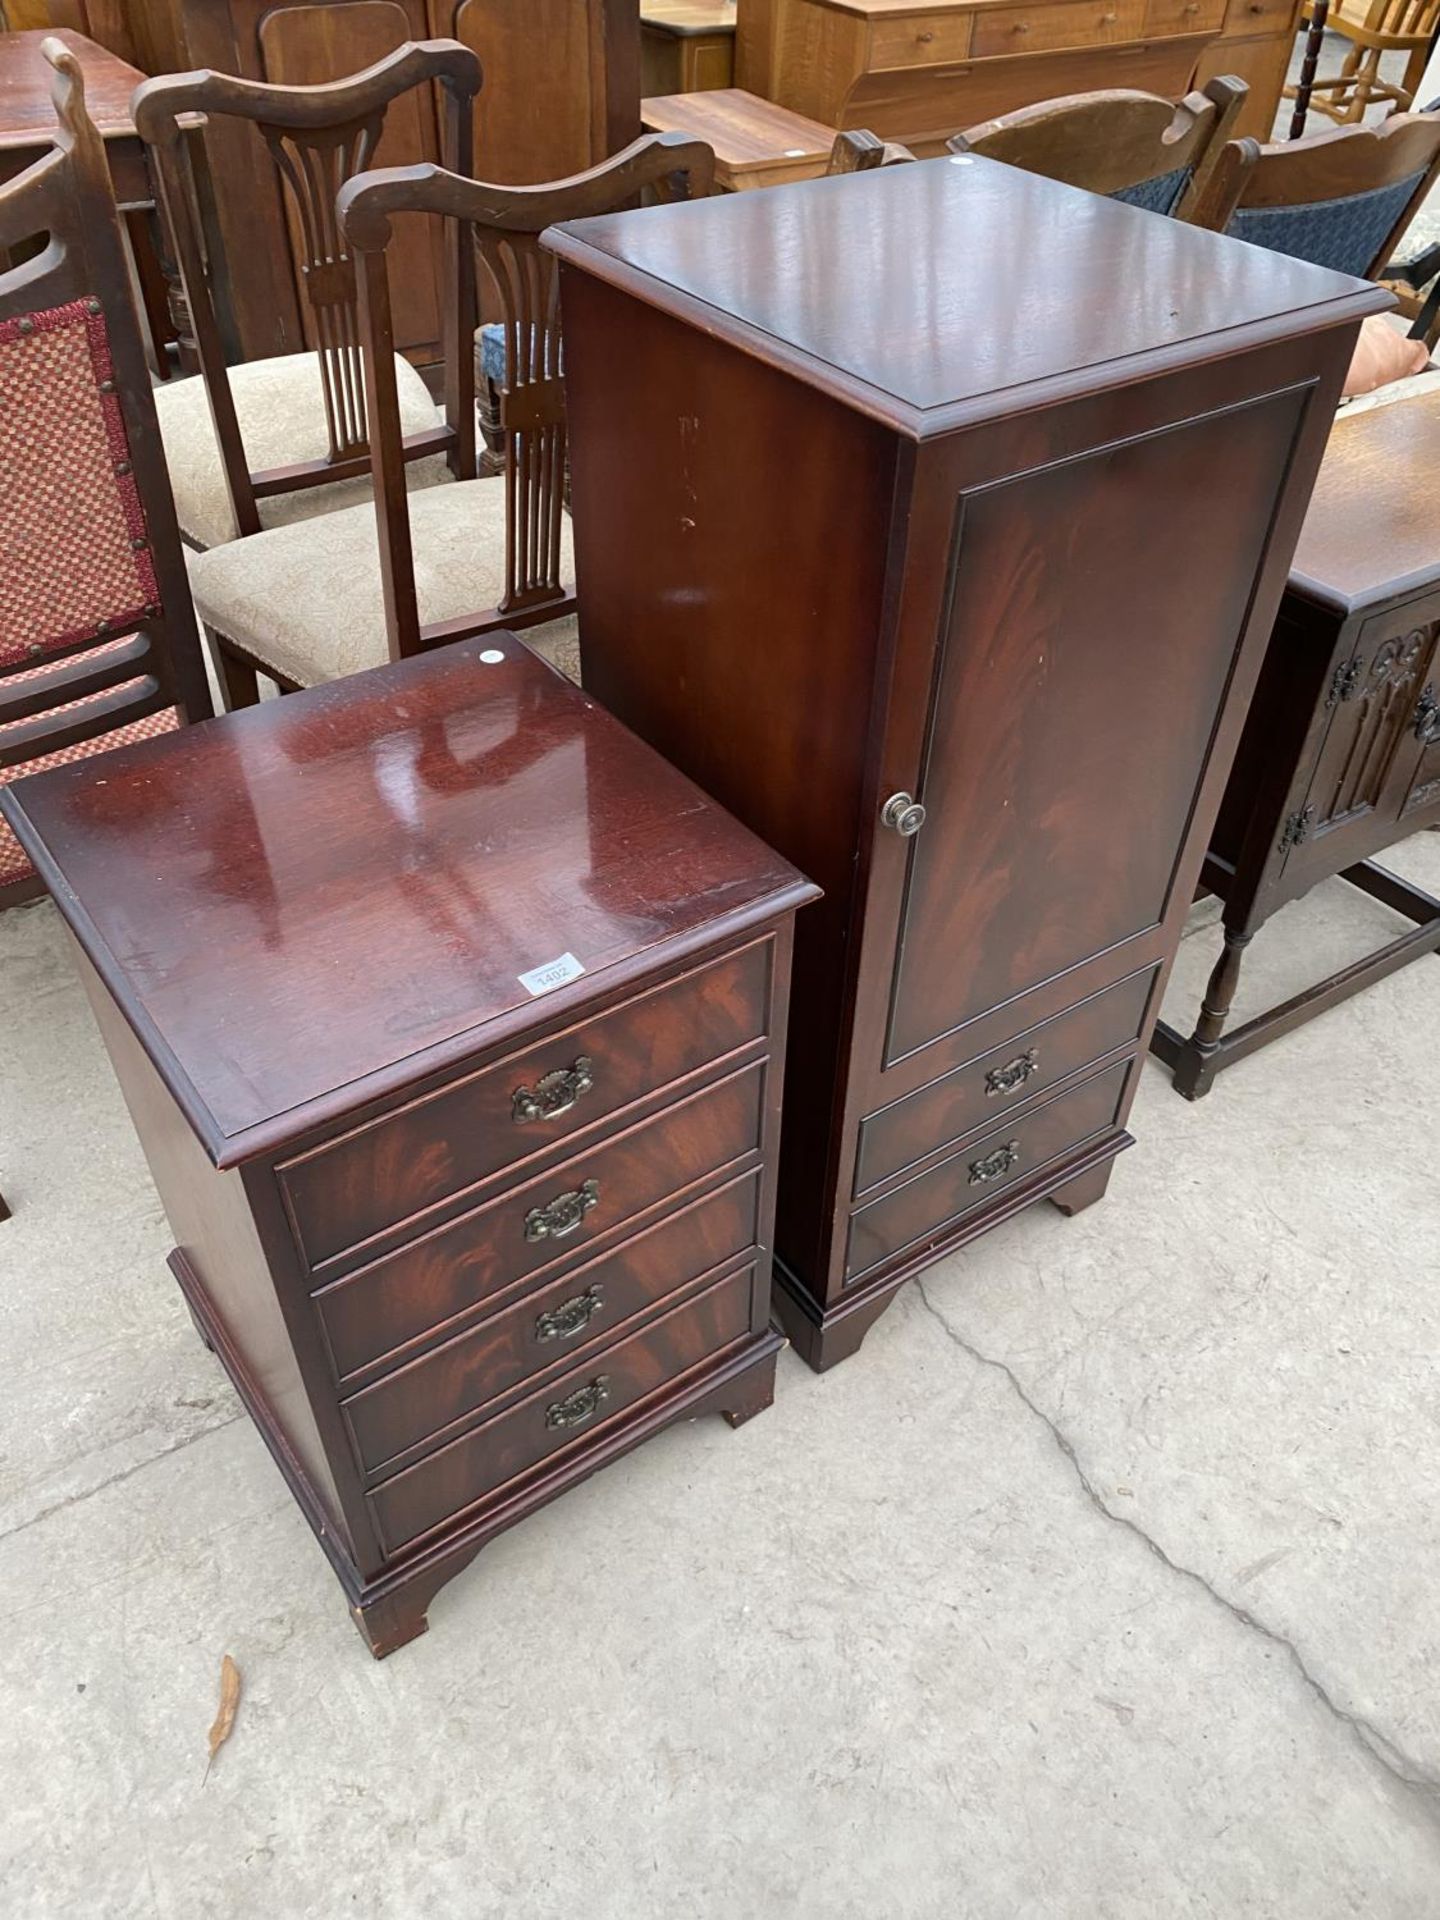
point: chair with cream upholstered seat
(271, 442)
(328, 597)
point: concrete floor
(1101, 1583)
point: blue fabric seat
(492, 352)
(1345, 235)
(1159, 194)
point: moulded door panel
(1082, 659)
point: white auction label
(555, 973)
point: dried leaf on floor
(224, 1721)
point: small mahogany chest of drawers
(934, 520)
(452, 1021)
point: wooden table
(453, 1024)
(1341, 754)
(686, 46)
(961, 613)
(757, 144)
(27, 125)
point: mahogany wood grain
(967, 561)
(925, 1207)
(377, 1175)
(443, 1485)
(975, 1094)
(380, 859)
(442, 1270)
(286, 847)
(480, 1357)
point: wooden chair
(1137, 147)
(1373, 30)
(269, 442)
(860, 151)
(1341, 199)
(97, 639)
(327, 597)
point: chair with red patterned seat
(97, 632)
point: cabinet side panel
(210, 1218)
(731, 528)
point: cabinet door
(1376, 758)
(1088, 631)
(305, 45)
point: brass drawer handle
(990, 1166)
(571, 1316)
(582, 1405)
(1013, 1074)
(563, 1214)
(553, 1093)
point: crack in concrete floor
(116, 1479)
(1377, 1746)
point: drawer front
(413, 1291)
(568, 1412)
(1079, 23)
(551, 1325)
(1259, 16)
(439, 1146)
(980, 1091)
(1184, 16)
(936, 1201)
(920, 40)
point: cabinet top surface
(1372, 530)
(316, 900)
(957, 288)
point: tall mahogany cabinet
(934, 520)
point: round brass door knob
(903, 814)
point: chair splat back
(97, 636)
(493, 238)
(318, 137)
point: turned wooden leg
(1084, 1190)
(1319, 14)
(1198, 1064)
(487, 407)
(751, 1393)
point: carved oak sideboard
(960, 614)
